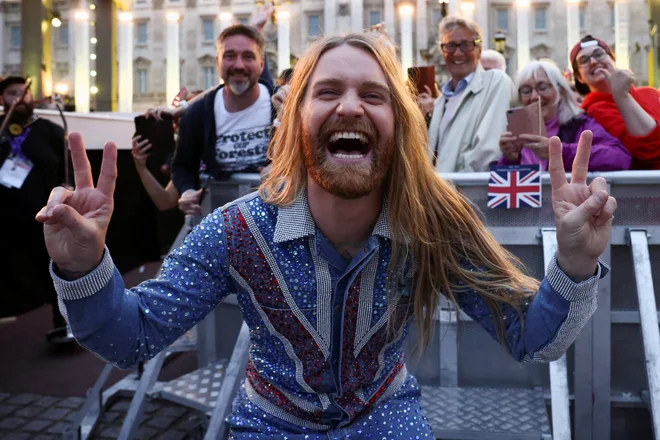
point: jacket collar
(295, 221)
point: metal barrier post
(648, 319)
(230, 384)
(561, 419)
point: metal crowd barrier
(602, 373)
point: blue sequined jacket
(310, 354)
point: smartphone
(161, 136)
(422, 76)
(526, 120)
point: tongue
(353, 152)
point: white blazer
(471, 140)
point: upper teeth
(348, 135)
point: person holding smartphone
(562, 116)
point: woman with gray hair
(542, 80)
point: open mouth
(349, 145)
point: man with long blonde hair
(351, 237)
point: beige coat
(471, 142)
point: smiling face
(539, 86)
(240, 63)
(460, 64)
(348, 123)
(25, 109)
(590, 60)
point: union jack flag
(514, 186)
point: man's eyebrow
(365, 84)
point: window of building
(243, 20)
(313, 25)
(436, 17)
(142, 81)
(209, 77)
(503, 19)
(142, 33)
(208, 29)
(612, 15)
(374, 18)
(540, 19)
(582, 16)
(15, 36)
(64, 35)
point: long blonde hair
(430, 221)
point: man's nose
(592, 61)
(350, 105)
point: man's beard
(22, 113)
(239, 87)
(346, 180)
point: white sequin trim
(366, 302)
(88, 285)
(323, 295)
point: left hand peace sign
(583, 214)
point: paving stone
(46, 437)
(71, 417)
(151, 407)
(29, 411)
(189, 423)
(46, 402)
(111, 432)
(146, 433)
(6, 409)
(16, 436)
(11, 423)
(162, 422)
(56, 414)
(121, 405)
(4, 396)
(37, 425)
(172, 411)
(172, 435)
(58, 428)
(71, 402)
(110, 416)
(23, 399)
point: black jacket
(197, 140)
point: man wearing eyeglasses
(469, 116)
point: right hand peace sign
(76, 222)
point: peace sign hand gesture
(583, 214)
(75, 222)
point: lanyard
(17, 141)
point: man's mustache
(238, 72)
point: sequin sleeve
(553, 317)
(124, 326)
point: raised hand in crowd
(259, 19)
(540, 145)
(510, 147)
(583, 213)
(620, 80)
(76, 222)
(426, 101)
(189, 202)
(279, 98)
(140, 152)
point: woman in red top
(630, 113)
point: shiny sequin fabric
(326, 357)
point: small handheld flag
(514, 186)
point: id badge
(14, 171)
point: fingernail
(49, 212)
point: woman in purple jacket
(564, 118)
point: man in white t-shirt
(229, 129)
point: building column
(406, 12)
(421, 28)
(2, 38)
(481, 16)
(357, 15)
(125, 62)
(522, 33)
(573, 26)
(173, 58)
(329, 16)
(283, 40)
(622, 34)
(35, 46)
(81, 63)
(390, 19)
(106, 55)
